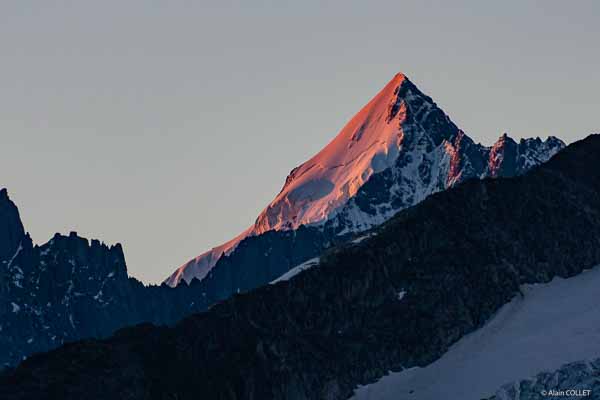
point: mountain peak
(399, 78)
(503, 139)
(369, 143)
(11, 227)
(403, 140)
(508, 158)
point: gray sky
(168, 126)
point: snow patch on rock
(296, 270)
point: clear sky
(168, 126)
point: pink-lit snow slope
(369, 143)
(200, 266)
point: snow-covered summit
(368, 144)
(397, 150)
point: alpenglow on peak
(397, 150)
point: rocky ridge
(571, 381)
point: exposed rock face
(11, 228)
(397, 150)
(507, 158)
(394, 300)
(578, 380)
(70, 288)
(63, 290)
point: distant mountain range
(399, 149)
(396, 298)
(67, 289)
